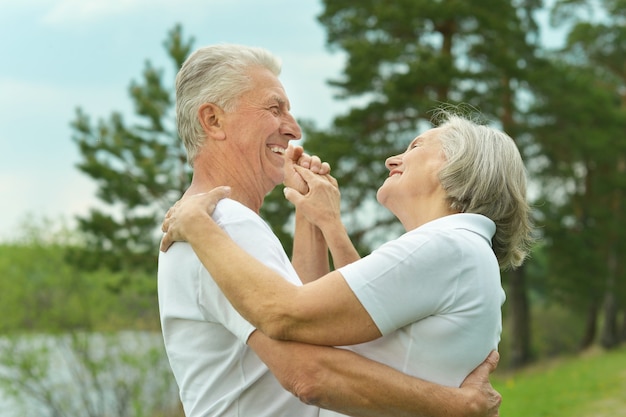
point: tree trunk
(609, 337)
(519, 314)
(591, 325)
(621, 333)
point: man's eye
(275, 110)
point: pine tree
(581, 120)
(404, 59)
(140, 168)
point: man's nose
(290, 127)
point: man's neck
(214, 168)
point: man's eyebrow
(277, 99)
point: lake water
(79, 374)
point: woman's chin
(381, 196)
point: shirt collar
(476, 223)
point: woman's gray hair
(484, 174)
(214, 74)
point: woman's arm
(320, 205)
(324, 312)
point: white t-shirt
(205, 338)
(435, 294)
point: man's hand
(295, 156)
(485, 401)
(320, 205)
(182, 217)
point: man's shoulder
(227, 209)
(233, 217)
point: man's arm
(320, 205)
(343, 381)
(310, 252)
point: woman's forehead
(427, 136)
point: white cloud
(44, 102)
(12, 5)
(74, 11)
(69, 11)
(62, 12)
(27, 201)
(17, 93)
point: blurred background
(90, 161)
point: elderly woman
(427, 303)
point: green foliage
(277, 212)
(557, 329)
(578, 113)
(43, 292)
(140, 169)
(591, 385)
(404, 59)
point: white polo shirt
(435, 294)
(205, 338)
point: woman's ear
(211, 117)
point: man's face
(260, 128)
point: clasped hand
(309, 187)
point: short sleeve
(254, 236)
(405, 280)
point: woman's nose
(393, 162)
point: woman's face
(413, 181)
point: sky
(58, 55)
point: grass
(590, 385)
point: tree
(140, 169)
(53, 295)
(580, 113)
(405, 58)
(604, 46)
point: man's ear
(211, 118)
